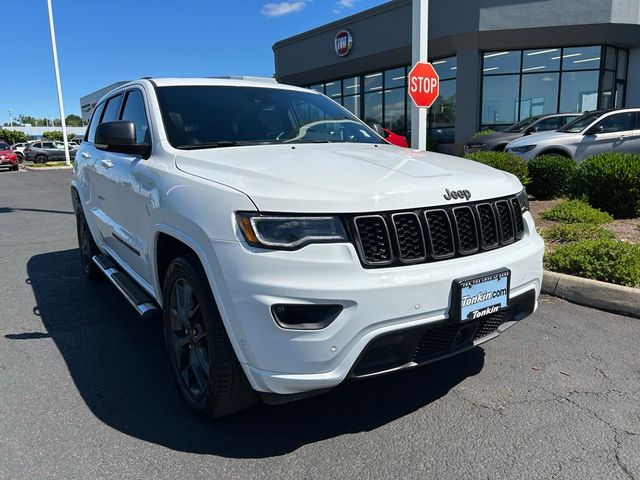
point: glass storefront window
(622, 65)
(443, 111)
(501, 62)
(395, 78)
(352, 103)
(539, 94)
(610, 58)
(608, 89)
(373, 81)
(317, 88)
(373, 107)
(542, 60)
(333, 89)
(581, 58)
(446, 68)
(351, 86)
(394, 110)
(500, 99)
(579, 91)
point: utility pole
(419, 40)
(54, 48)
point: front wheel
(40, 159)
(208, 373)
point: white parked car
(595, 132)
(287, 246)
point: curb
(592, 293)
(40, 169)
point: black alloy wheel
(204, 364)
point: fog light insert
(305, 317)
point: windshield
(225, 116)
(581, 123)
(4, 146)
(520, 126)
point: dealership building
(499, 61)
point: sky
(101, 42)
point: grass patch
(612, 261)
(576, 211)
(573, 232)
(49, 164)
(488, 131)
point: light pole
(419, 40)
(59, 87)
(11, 118)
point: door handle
(106, 163)
(86, 156)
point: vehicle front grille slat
(466, 230)
(488, 225)
(440, 234)
(505, 219)
(433, 234)
(373, 234)
(411, 246)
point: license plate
(477, 297)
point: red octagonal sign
(424, 84)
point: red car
(8, 158)
(395, 139)
(389, 136)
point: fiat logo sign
(344, 42)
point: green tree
(73, 120)
(11, 136)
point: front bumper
(375, 302)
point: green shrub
(503, 161)
(572, 232)
(488, 131)
(611, 182)
(576, 211)
(551, 176)
(612, 261)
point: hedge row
(609, 181)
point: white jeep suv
(287, 246)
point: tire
(553, 153)
(88, 247)
(15, 168)
(41, 159)
(20, 157)
(205, 366)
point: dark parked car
(8, 158)
(46, 150)
(539, 123)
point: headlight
(289, 232)
(524, 149)
(523, 199)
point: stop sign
(424, 84)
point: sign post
(420, 37)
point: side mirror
(595, 130)
(531, 130)
(120, 136)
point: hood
(495, 138)
(535, 138)
(344, 178)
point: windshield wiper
(221, 143)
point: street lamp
(57, 71)
(11, 118)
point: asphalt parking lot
(86, 390)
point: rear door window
(552, 123)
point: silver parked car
(593, 133)
(496, 141)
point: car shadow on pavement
(120, 368)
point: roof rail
(246, 77)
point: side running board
(137, 297)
